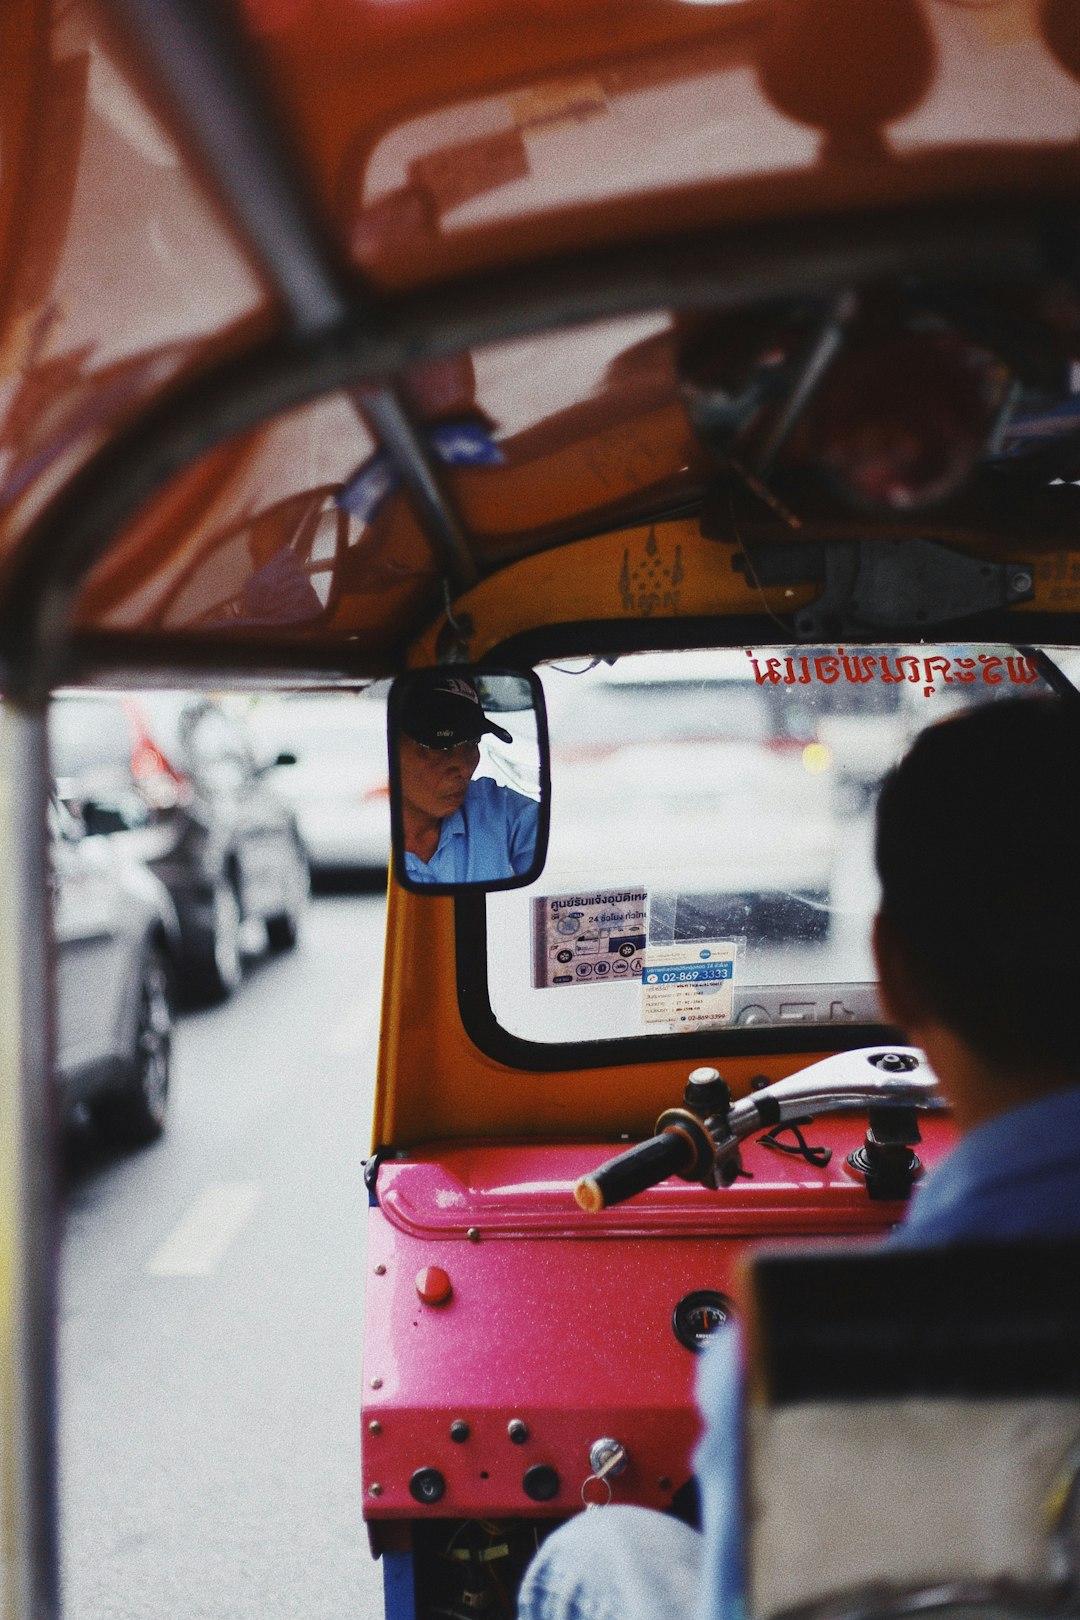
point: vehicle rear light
(161, 785)
(901, 421)
(816, 758)
(584, 753)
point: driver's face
(434, 780)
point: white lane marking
(203, 1233)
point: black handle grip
(639, 1167)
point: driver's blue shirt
(492, 836)
(1017, 1176)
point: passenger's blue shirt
(1017, 1176)
(492, 836)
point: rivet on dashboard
(375, 1490)
(473, 1234)
(376, 1383)
(374, 1427)
(380, 1270)
(518, 1431)
(459, 1431)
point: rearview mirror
(469, 782)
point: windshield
(711, 858)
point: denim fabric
(1018, 1176)
(492, 836)
(615, 1563)
(718, 1467)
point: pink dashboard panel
(557, 1328)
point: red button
(433, 1285)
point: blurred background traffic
(189, 829)
(186, 831)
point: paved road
(212, 1297)
(211, 1311)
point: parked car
(117, 942)
(337, 784)
(171, 778)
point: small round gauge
(697, 1316)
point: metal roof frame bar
(196, 51)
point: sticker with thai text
(589, 938)
(932, 673)
(688, 986)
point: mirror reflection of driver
(457, 828)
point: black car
(172, 778)
(116, 945)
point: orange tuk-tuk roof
(318, 312)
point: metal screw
(375, 1490)
(380, 1271)
(376, 1383)
(473, 1234)
(518, 1431)
(894, 1062)
(374, 1427)
(1021, 581)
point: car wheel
(218, 966)
(283, 929)
(136, 1114)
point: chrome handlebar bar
(706, 1148)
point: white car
(338, 786)
(679, 773)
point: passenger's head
(979, 859)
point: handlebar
(641, 1166)
(708, 1150)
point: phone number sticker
(688, 986)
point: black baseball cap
(445, 712)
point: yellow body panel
(433, 1082)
